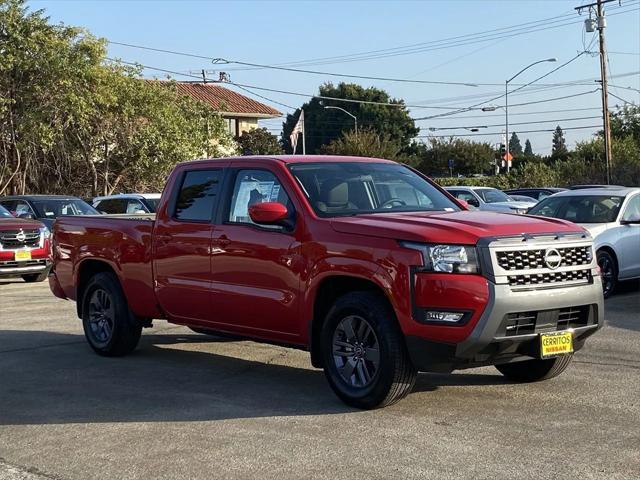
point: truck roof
(297, 159)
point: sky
(495, 39)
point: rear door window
(112, 206)
(198, 195)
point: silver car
(612, 217)
(491, 199)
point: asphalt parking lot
(191, 406)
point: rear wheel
(109, 325)
(535, 370)
(365, 358)
(35, 277)
(608, 271)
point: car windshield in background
(344, 188)
(582, 209)
(4, 213)
(55, 207)
(152, 203)
(492, 195)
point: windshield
(343, 188)
(493, 195)
(4, 213)
(152, 203)
(54, 207)
(580, 209)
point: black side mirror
(27, 215)
(630, 221)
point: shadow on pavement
(622, 309)
(57, 379)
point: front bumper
(490, 343)
(15, 269)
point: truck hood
(17, 223)
(465, 227)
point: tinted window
(112, 206)
(54, 207)
(255, 186)
(4, 213)
(580, 209)
(152, 204)
(345, 188)
(198, 195)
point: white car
(612, 217)
(491, 199)
(127, 203)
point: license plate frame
(555, 344)
(22, 255)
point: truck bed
(121, 242)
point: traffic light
(503, 149)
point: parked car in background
(490, 199)
(127, 203)
(522, 198)
(535, 193)
(612, 217)
(24, 248)
(46, 208)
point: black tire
(608, 272)
(382, 384)
(535, 370)
(110, 327)
(35, 277)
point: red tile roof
(225, 100)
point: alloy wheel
(101, 315)
(356, 351)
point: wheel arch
(327, 291)
(610, 250)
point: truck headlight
(45, 233)
(446, 258)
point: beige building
(240, 112)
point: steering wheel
(389, 203)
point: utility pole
(601, 23)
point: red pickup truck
(24, 248)
(365, 263)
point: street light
(506, 104)
(348, 113)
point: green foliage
(514, 145)
(69, 123)
(559, 145)
(468, 157)
(367, 143)
(528, 151)
(626, 123)
(259, 142)
(322, 126)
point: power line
(500, 133)
(517, 123)
(621, 99)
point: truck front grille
(535, 259)
(526, 323)
(577, 276)
(15, 239)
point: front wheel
(35, 277)
(608, 271)
(365, 357)
(110, 327)
(535, 370)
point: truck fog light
(441, 316)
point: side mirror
(27, 215)
(630, 221)
(464, 203)
(268, 213)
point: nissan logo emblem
(552, 258)
(21, 237)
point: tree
(366, 143)
(259, 142)
(528, 151)
(514, 145)
(468, 157)
(559, 145)
(626, 123)
(323, 125)
(72, 123)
